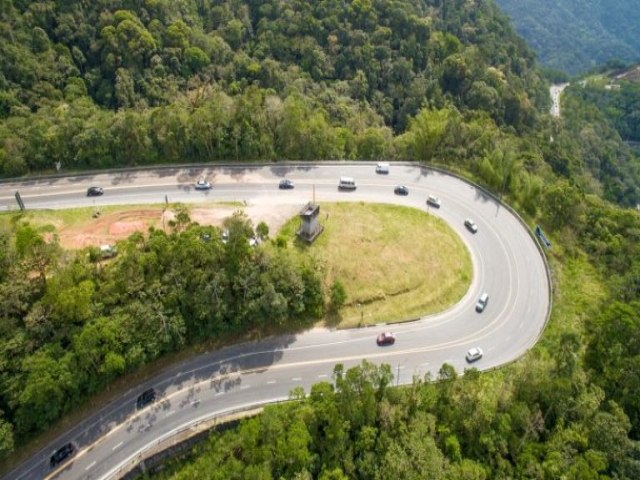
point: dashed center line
(296, 379)
(218, 394)
(91, 465)
(323, 375)
(271, 382)
(117, 446)
(170, 412)
(244, 387)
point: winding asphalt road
(506, 260)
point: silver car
(474, 354)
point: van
(347, 183)
(482, 302)
(382, 168)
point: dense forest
(576, 36)
(617, 101)
(122, 83)
(72, 323)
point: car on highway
(386, 338)
(285, 184)
(94, 191)
(471, 225)
(482, 302)
(64, 453)
(433, 201)
(382, 167)
(145, 398)
(474, 354)
(346, 183)
(202, 184)
(401, 190)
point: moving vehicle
(386, 338)
(471, 225)
(145, 398)
(347, 183)
(65, 452)
(474, 354)
(482, 302)
(433, 201)
(382, 167)
(285, 184)
(94, 191)
(202, 184)
(401, 190)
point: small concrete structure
(310, 228)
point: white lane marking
(425, 364)
(271, 382)
(296, 379)
(323, 375)
(244, 387)
(170, 412)
(117, 446)
(91, 465)
(218, 394)
(195, 402)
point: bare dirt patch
(111, 226)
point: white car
(471, 225)
(382, 167)
(474, 354)
(433, 201)
(202, 184)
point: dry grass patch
(395, 262)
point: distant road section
(556, 91)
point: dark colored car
(94, 191)
(386, 338)
(63, 453)
(285, 184)
(401, 190)
(145, 398)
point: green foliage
(474, 427)
(576, 36)
(121, 84)
(338, 295)
(66, 338)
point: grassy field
(395, 262)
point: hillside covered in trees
(577, 35)
(123, 83)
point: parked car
(285, 184)
(471, 225)
(202, 184)
(386, 338)
(433, 201)
(108, 251)
(94, 191)
(65, 452)
(474, 354)
(482, 302)
(401, 190)
(145, 398)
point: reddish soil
(110, 227)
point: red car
(385, 338)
